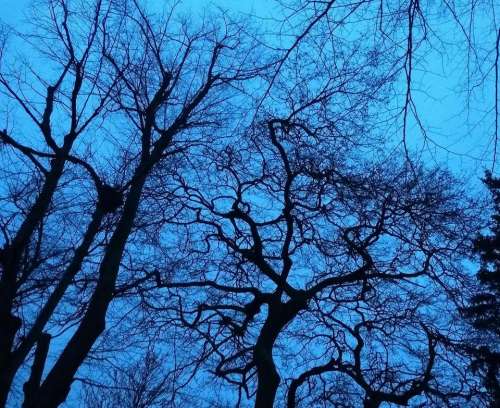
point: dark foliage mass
(222, 211)
(484, 308)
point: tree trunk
(267, 375)
(17, 357)
(279, 315)
(9, 262)
(31, 386)
(56, 386)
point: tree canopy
(225, 210)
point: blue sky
(461, 138)
(440, 105)
(12, 10)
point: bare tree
(140, 384)
(158, 89)
(417, 43)
(235, 198)
(74, 97)
(319, 267)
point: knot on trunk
(8, 255)
(110, 198)
(3, 256)
(252, 308)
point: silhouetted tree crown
(213, 210)
(484, 308)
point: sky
(440, 106)
(12, 10)
(458, 138)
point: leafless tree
(416, 42)
(321, 268)
(140, 384)
(235, 203)
(157, 89)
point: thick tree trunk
(17, 357)
(56, 386)
(10, 261)
(371, 403)
(6, 372)
(279, 315)
(267, 377)
(31, 386)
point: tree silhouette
(157, 96)
(216, 210)
(484, 308)
(317, 268)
